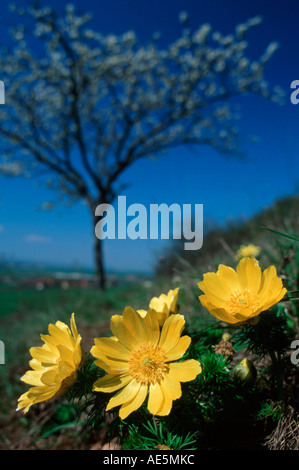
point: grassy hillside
(220, 244)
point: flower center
(147, 363)
(241, 300)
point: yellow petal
(64, 370)
(119, 330)
(229, 277)
(112, 366)
(39, 394)
(245, 315)
(66, 355)
(35, 364)
(179, 349)
(171, 385)
(42, 355)
(124, 395)
(171, 332)
(268, 279)
(142, 313)
(73, 326)
(249, 274)
(133, 405)
(172, 298)
(160, 397)
(78, 353)
(32, 377)
(151, 323)
(159, 304)
(112, 348)
(50, 341)
(185, 371)
(219, 313)
(275, 300)
(36, 395)
(135, 324)
(216, 301)
(166, 405)
(48, 378)
(155, 399)
(111, 383)
(212, 283)
(61, 334)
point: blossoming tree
(82, 107)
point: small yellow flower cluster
(248, 250)
(140, 359)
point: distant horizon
(74, 266)
(64, 267)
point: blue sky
(227, 187)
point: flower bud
(245, 371)
(226, 336)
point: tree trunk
(101, 281)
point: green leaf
(291, 237)
(59, 427)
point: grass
(9, 301)
(86, 300)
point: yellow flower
(139, 362)
(248, 250)
(54, 364)
(164, 305)
(240, 296)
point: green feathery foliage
(152, 435)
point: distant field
(14, 300)
(8, 302)
(87, 300)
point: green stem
(278, 374)
(199, 333)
